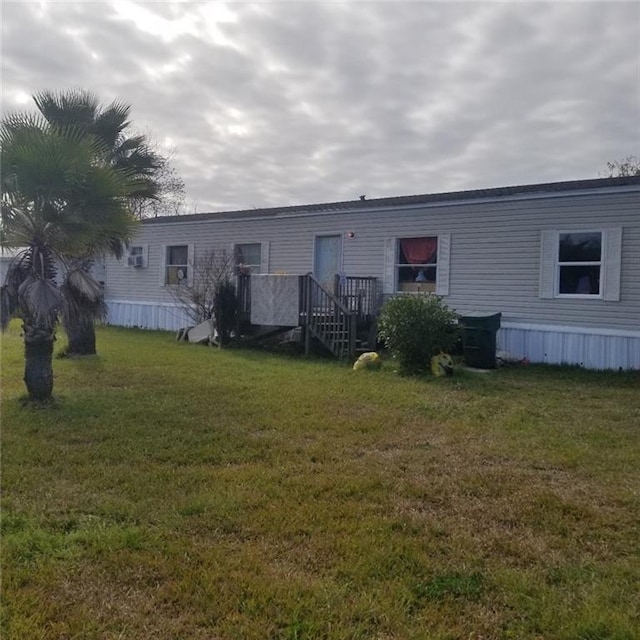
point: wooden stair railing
(326, 318)
(243, 293)
(358, 294)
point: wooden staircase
(325, 317)
(335, 319)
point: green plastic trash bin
(479, 332)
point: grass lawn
(183, 492)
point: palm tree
(81, 111)
(57, 202)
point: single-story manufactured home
(559, 261)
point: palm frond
(43, 164)
(82, 285)
(41, 299)
(8, 306)
(53, 189)
(111, 123)
(20, 121)
(83, 301)
(18, 267)
(126, 146)
(74, 107)
(116, 248)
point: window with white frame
(248, 258)
(584, 264)
(416, 267)
(176, 264)
(579, 264)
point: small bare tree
(210, 293)
(196, 295)
(169, 198)
(630, 166)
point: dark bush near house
(225, 309)
(416, 327)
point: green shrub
(416, 327)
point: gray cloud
(284, 103)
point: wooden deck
(336, 318)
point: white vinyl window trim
(609, 265)
(248, 257)
(391, 263)
(170, 271)
(426, 273)
(254, 267)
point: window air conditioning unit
(136, 261)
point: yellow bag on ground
(368, 360)
(442, 365)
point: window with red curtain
(419, 250)
(417, 266)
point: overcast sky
(280, 103)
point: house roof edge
(548, 188)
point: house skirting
(166, 316)
(588, 347)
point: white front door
(327, 259)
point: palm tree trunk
(38, 361)
(81, 336)
(79, 315)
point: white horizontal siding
(494, 261)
